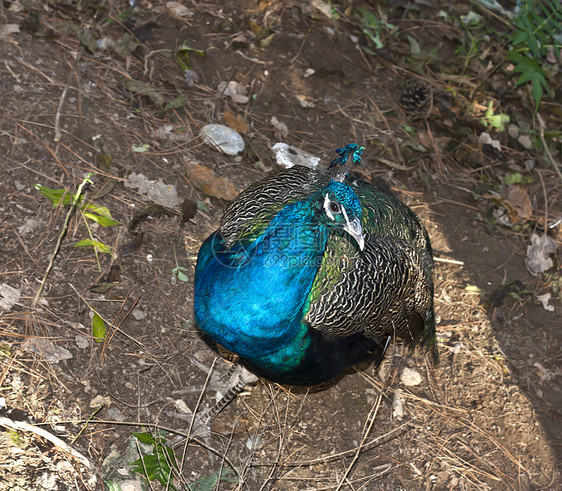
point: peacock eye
(334, 207)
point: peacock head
(341, 208)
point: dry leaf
(538, 260)
(188, 211)
(544, 300)
(209, 182)
(9, 296)
(7, 29)
(235, 90)
(288, 156)
(410, 377)
(178, 9)
(323, 7)
(237, 123)
(304, 101)
(520, 202)
(398, 405)
(282, 129)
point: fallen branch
(55, 440)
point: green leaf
(55, 195)
(518, 37)
(125, 45)
(211, 482)
(526, 76)
(158, 464)
(144, 437)
(526, 64)
(99, 246)
(474, 289)
(414, 46)
(140, 148)
(409, 129)
(537, 91)
(112, 486)
(531, 72)
(98, 328)
(103, 221)
(148, 466)
(183, 54)
(374, 38)
(101, 215)
(369, 19)
(100, 210)
(179, 272)
(174, 103)
(513, 178)
(143, 89)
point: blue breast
(252, 300)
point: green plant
(212, 481)
(183, 55)
(160, 464)
(538, 28)
(470, 46)
(498, 121)
(90, 211)
(179, 271)
(374, 26)
(98, 328)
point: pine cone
(416, 99)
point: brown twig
(61, 102)
(545, 146)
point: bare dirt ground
(486, 417)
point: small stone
(288, 156)
(486, 139)
(513, 131)
(223, 138)
(115, 415)
(81, 341)
(99, 401)
(254, 443)
(530, 164)
(525, 141)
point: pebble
(223, 138)
(513, 131)
(139, 315)
(525, 141)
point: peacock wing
(249, 214)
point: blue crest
(349, 156)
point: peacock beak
(354, 229)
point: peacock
(310, 273)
